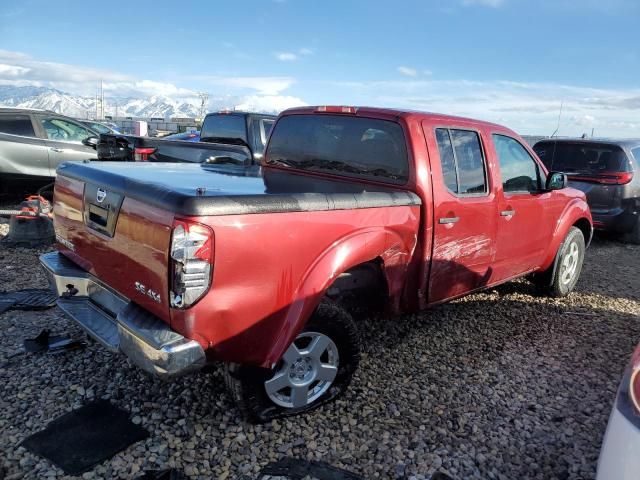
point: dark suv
(607, 171)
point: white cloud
(408, 71)
(484, 3)
(305, 51)
(286, 56)
(529, 108)
(269, 103)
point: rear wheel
(634, 235)
(316, 368)
(562, 281)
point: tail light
(634, 380)
(336, 109)
(192, 250)
(605, 178)
(142, 154)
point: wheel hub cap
(306, 371)
(570, 263)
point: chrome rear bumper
(119, 324)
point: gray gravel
(502, 384)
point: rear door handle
(447, 220)
(507, 213)
(57, 150)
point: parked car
(236, 138)
(619, 457)
(101, 127)
(180, 265)
(34, 142)
(193, 136)
(606, 171)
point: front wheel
(316, 368)
(562, 281)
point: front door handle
(507, 213)
(448, 220)
(57, 150)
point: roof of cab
(403, 113)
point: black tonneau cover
(198, 190)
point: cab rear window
(343, 145)
(583, 158)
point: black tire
(634, 235)
(247, 384)
(557, 283)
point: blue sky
(510, 61)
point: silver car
(34, 142)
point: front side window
(520, 172)
(343, 145)
(462, 161)
(17, 125)
(64, 131)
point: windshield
(582, 157)
(224, 126)
(342, 145)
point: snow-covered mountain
(85, 107)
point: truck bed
(122, 148)
(199, 190)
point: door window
(462, 161)
(520, 172)
(64, 131)
(16, 125)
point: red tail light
(605, 178)
(191, 258)
(142, 154)
(336, 109)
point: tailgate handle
(99, 215)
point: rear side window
(636, 153)
(520, 173)
(462, 161)
(17, 125)
(342, 145)
(227, 127)
(589, 158)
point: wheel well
(363, 286)
(585, 227)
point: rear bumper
(619, 220)
(119, 324)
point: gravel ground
(502, 384)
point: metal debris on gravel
(499, 385)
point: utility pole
(204, 97)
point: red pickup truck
(180, 265)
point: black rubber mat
(30, 299)
(78, 440)
(297, 469)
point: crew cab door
(525, 225)
(465, 213)
(64, 139)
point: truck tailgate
(120, 240)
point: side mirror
(556, 181)
(91, 141)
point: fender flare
(358, 247)
(574, 211)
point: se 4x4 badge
(148, 292)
